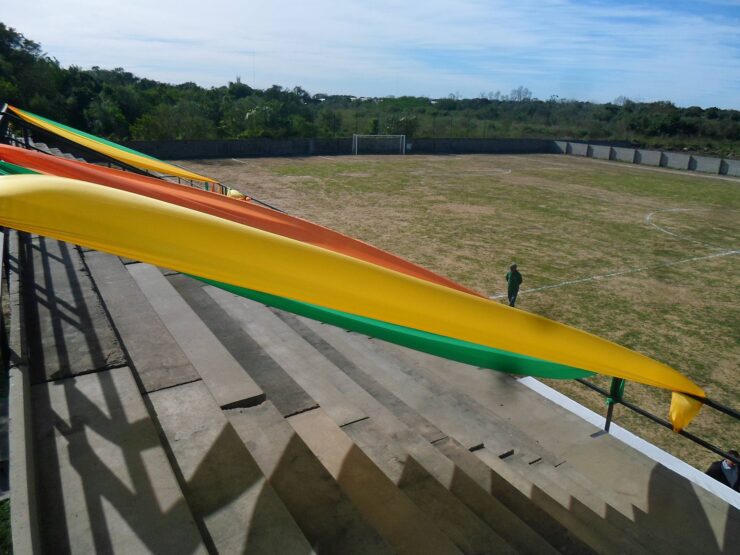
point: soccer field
(647, 258)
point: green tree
(329, 123)
(181, 121)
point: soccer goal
(378, 144)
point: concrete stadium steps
(285, 394)
(403, 525)
(102, 480)
(461, 417)
(54, 151)
(225, 488)
(67, 329)
(336, 393)
(454, 414)
(157, 357)
(395, 424)
(327, 517)
(224, 376)
(389, 443)
(662, 509)
(95, 496)
(268, 432)
(234, 506)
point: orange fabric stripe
(238, 211)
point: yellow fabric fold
(683, 410)
(125, 156)
(195, 243)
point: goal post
(378, 144)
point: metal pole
(615, 396)
(3, 122)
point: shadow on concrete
(56, 302)
(322, 511)
(102, 484)
(679, 520)
(64, 453)
(675, 518)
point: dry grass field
(646, 258)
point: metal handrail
(614, 399)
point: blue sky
(687, 52)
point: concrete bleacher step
(399, 455)
(467, 528)
(301, 362)
(553, 520)
(457, 415)
(322, 510)
(566, 502)
(559, 431)
(663, 510)
(230, 385)
(401, 523)
(225, 488)
(354, 347)
(103, 479)
(235, 507)
(285, 394)
(104, 482)
(68, 331)
(401, 426)
(392, 373)
(469, 532)
(157, 358)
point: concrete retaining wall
(560, 147)
(675, 160)
(705, 164)
(578, 149)
(623, 154)
(603, 150)
(600, 152)
(730, 167)
(648, 157)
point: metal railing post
(615, 396)
(3, 123)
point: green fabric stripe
(439, 345)
(6, 168)
(91, 137)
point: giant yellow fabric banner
(153, 231)
(117, 152)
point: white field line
(493, 171)
(240, 161)
(648, 220)
(623, 272)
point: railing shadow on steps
(81, 436)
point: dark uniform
(514, 279)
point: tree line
(119, 105)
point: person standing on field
(514, 279)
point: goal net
(378, 144)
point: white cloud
(563, 47)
